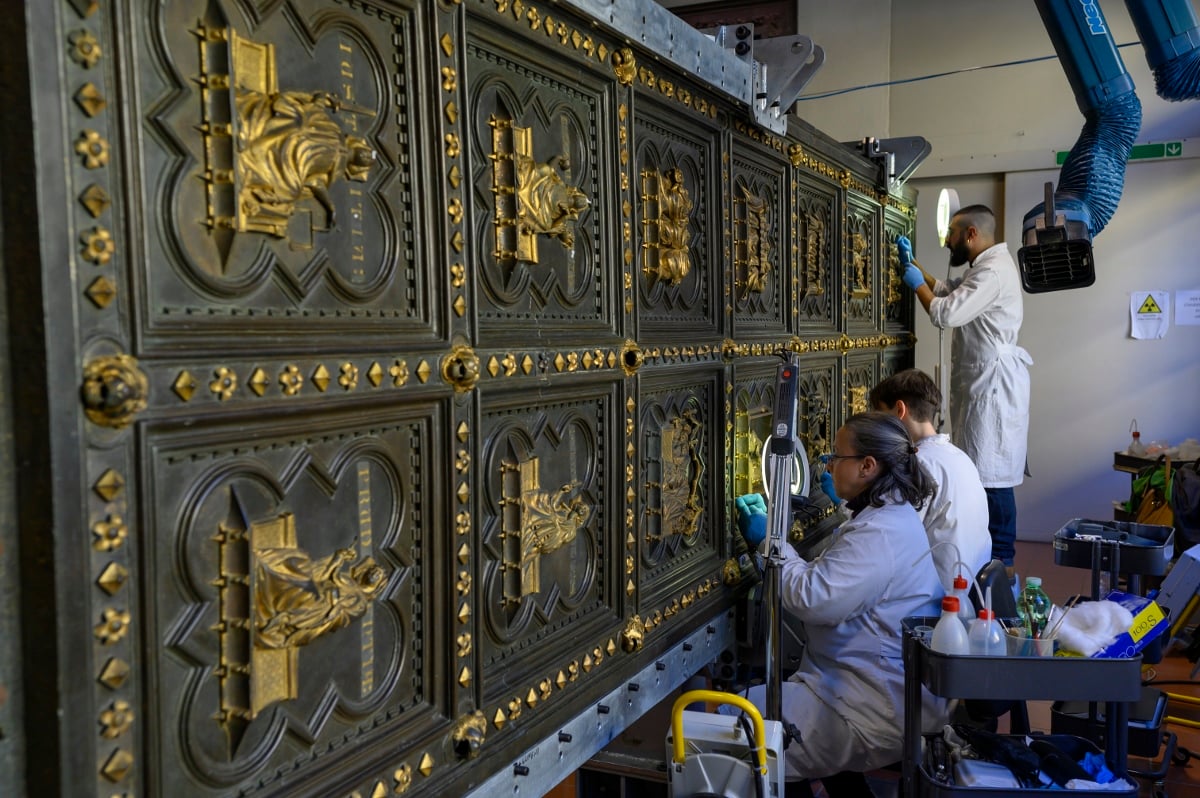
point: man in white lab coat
(989, 372)
(956, 517)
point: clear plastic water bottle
(1034, 606)
(961, 592)
(949, 635)
(985, 637)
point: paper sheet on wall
(1187, 307)
(1149, 313)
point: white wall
(994, 133)
(1090, 378)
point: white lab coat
(847, 697)
(958, 513)
(989, 373)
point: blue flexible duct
(1057, 234)
(1170, 36)
(1093, 176)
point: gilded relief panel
(898, 303)
(760, 241)
(538, 167)
(816, 230)
(292, 594)
(676, 231)
(862, 271)
(753, 408)
(753, 411)
(819, 409)
(679, 524)
(546, 518)
(279, 168)
(862, 373)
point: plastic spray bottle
(961, 592)
(985, 637)
(949, 635)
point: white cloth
(957, 513)
(989, 373)
(847, 697)
(1091, 625)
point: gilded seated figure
(298, 599)
(289, 148)
(548, 204)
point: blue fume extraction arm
(1056, 235)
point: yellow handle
(760, 731)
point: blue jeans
(1002, 523)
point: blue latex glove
(827, 486)
(752, 518)
(913, 277)
(904, 250)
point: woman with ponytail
(847, 697)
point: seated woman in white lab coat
(846, 700)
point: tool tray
(1115, 546)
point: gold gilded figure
(290, 147)
(675, 207)
(299, 599)
(550, 520)
(548, 204)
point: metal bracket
(782, 66)
(898, 158)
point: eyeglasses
(830, 459)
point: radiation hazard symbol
(1149, 305)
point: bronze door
(381, 375)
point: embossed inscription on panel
(299, 590)
(280, 153)
(535, 172)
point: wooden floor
(1172, 675)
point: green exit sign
(1166, 149)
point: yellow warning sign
(1149, 306)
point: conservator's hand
(827, 487)
(752, 518)
(904, 250)
(913, 277)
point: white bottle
(961, 592)
(949, 636)
(985, 636)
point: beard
(959, 254)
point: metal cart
(1117, 682)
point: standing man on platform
(989, 372)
